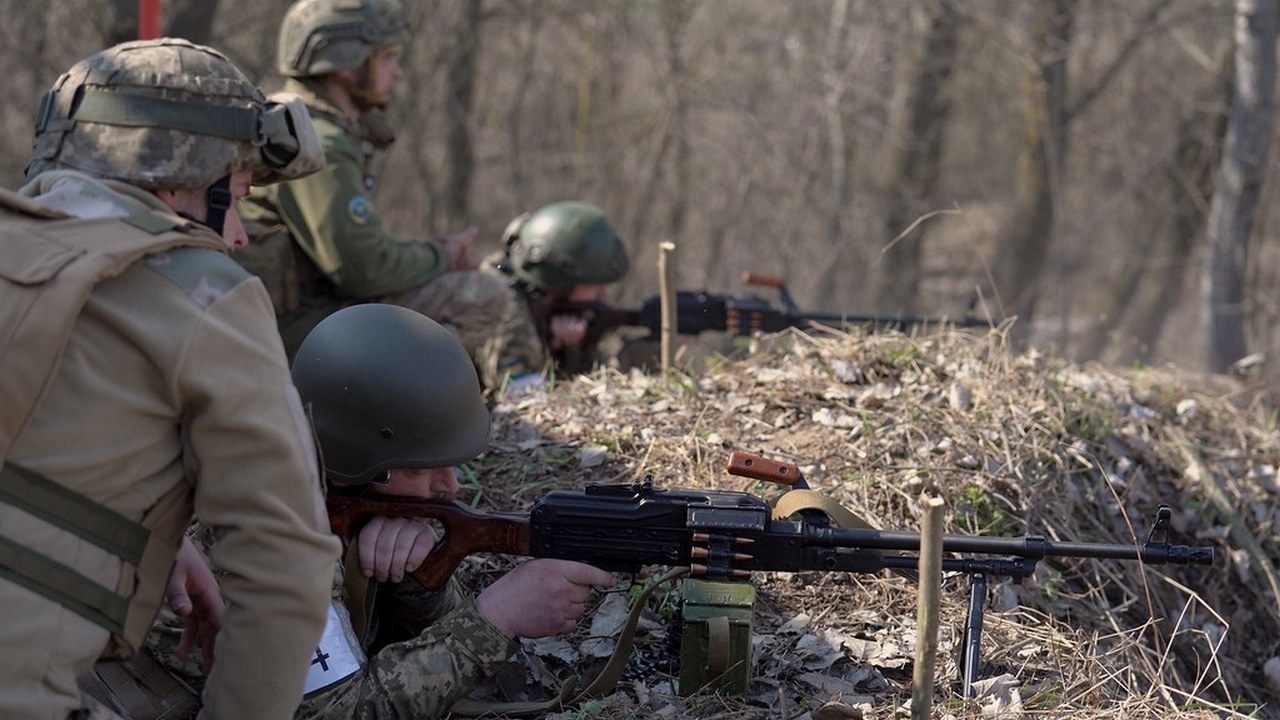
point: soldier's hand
(540, 597)
(391, 547)
(458, 245)
(567, 331)
(192, 594)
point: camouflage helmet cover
(319, 37)
(564, 244)
(389, 388)
(170, 114)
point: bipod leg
(972, 651)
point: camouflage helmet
(389, 388)
(319, 37)
(170, 114)
(563, 244)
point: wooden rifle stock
(466, 531)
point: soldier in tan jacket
(169, 389)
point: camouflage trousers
(490, 318)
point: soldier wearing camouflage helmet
(395, 401)
(151, 382)
(319, 242)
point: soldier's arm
(333, 217)
(257, 489)
(426, 675)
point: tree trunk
(838, 192)
(460, 87)
(1149, 287)
(675, 19)
(1024, 245)
(1244, 163)
(531, 24)
(916, 128)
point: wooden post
(930, 568)
(667, 286)
(148, 19)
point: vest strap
(68, 510)
(63, 585)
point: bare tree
(917, 126)
(1025, 242)
(1174, 206)
(1244, 162)
(460, 82)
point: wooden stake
(667, 286)
(930, 597)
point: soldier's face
(424, 483)
(587, 293)
(195, 203)
(232, 229)
(384, 72)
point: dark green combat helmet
(564, 244)
(389, 388)
(170, 114)
(319, 37)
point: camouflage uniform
(448, 650)
(425, 649)
(347, 256)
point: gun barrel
(892, 321)
(1031, 546)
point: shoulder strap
(48, 266)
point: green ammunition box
(715, 642)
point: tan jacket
(173, 375)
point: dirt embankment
(1014, 444)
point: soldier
(562, 251)
(395, 400)
(144, 376)
(319, 245)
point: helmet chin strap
(219, 203)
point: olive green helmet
(170, 114)
(319, 37)
(563, 244)
(389, 388)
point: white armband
(339, 655)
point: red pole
(148, 19)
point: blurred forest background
(1098, 168)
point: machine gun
(700, 311)
(725, 535)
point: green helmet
(563, 244)
(319, 37)
(170, 114)
(389, 388)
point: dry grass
(1014, 445)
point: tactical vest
(49, 263)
